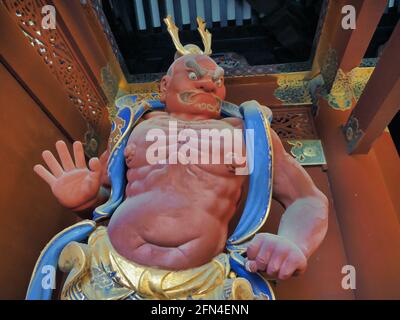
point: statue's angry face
(194, 85)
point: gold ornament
(190, 48)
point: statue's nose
(207, 85)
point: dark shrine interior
(271, 32)
(276, 32)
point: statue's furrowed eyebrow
(218, 73)
(192, 64)
(201, 72)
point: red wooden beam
(379, 101)
(340, 48)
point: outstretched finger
(95, 165)
(52, 163)
(79, 155)
(65, 156)
(44, 174)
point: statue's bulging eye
(218, 83)
(192, 76)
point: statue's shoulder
(266, 110)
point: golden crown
(189, 48)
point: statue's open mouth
(201, 99)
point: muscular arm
(303, 225)
(305, 220)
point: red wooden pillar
(344, 49)
(379, 101)
(364, 196)
(341, 50)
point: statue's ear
(163, 87)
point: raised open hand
(73, 184)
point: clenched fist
(277, 256)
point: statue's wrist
(298, 244)
(305, 250)
(101, 194)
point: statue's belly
(169, 207)
(167, 221)
(157, 217)
(172, 214)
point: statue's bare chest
(172, 138)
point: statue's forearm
(305, 220)
(305, 223)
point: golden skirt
(98, 272)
